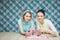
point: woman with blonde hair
(26, 24)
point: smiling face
(40, 17)
(27, 16)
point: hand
(31, 32)
(27, 34)
(46, 31)
(38, 33)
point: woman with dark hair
(26, 24)
(44, 26)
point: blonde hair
(27, 11)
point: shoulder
(47, 20)
(19, 21)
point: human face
(27, 17)
(40, 17)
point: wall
(11, 10)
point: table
(17, 36)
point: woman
(44, 26)
(26, 25)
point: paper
(35, 36)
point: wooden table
(17, 36)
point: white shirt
(47, 24)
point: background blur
(11, 10)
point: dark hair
(41, 11)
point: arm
(32, 29)
(21, 29)
(52, 29)
(22, 32)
